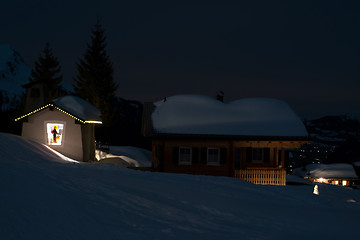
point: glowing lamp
(322, 180)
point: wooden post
(231, 158)
(276, 150)
(283, 157)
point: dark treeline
(94, 83)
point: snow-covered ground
(125, 156)
(45, 197)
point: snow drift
(125, 156)
(45, 197)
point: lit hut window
(54, 133)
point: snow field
(45, 197)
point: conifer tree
(47, 71)
(94, 81)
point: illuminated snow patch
(62, 156)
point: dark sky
(304, 52)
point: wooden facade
(253, 158)
(263, 159)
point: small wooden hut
(67, 125)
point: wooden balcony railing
(263, 176)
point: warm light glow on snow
(62, 156)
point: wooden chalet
(246, 139)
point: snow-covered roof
(78, 107)
(197, 114)
(335, 170)
(73, 106)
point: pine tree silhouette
(47, 71)
(94, 81)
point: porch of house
(275, 176)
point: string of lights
(61, 110)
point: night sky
(304, 52)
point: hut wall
(35, 128)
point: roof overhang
(158, 135)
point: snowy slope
(197, 114)
(13, 72)
(44, 197)
(333, 130)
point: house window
(54, 133)
(258, 155)
(185, 155)
(213, 156)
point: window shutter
(195, 155)
(223, 156)
(266, 154)
(175, 155)
(249, 154)
(203, 156)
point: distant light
(344, 182)
(322, 180)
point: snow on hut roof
(74, 107)
(78, 107)
(197, 114)
(335, 170)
